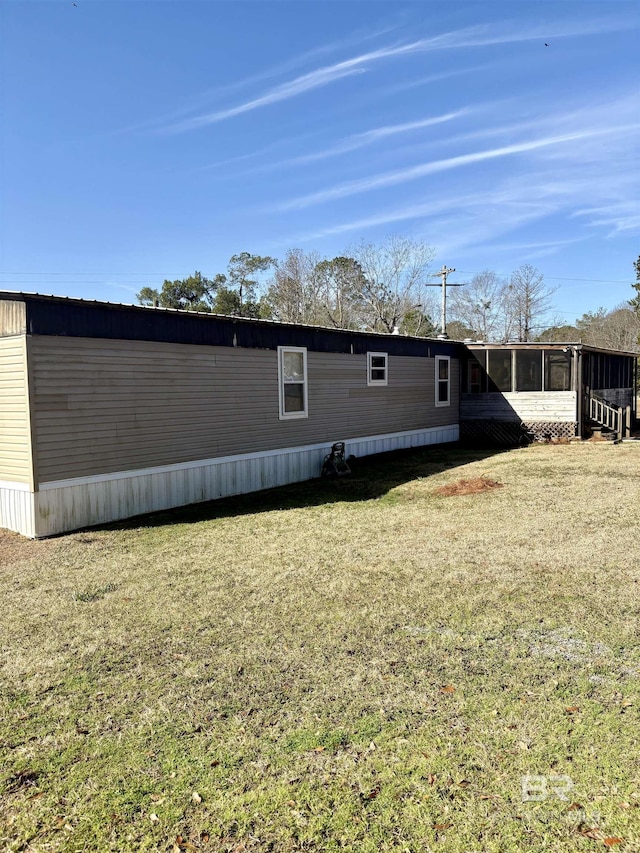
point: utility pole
(444, 272)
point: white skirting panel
(17, 508)
(67, 505)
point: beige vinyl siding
(13, 318)
(103, 406)
(15, 432)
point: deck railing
(606, 415)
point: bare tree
(394, 280)
(481, 306)
(293, 293)
(528, 303)
(615, 329)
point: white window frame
(370, 368)
(286, 416)
(439, 402)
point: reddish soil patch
(469, 487)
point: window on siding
(499, 369)
(557, 371)
(443, 377)
(292, 381)
(528, 370)
(377, 368)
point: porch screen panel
(474, 381)
(529, 370)
(557, 371)
(499, 369)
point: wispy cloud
(126, 287)
(599, 191)
(617, 216)
(348, 144)
(369, 137)
(304, 83)
(532, 250)
(502, 200)
(475, 36)
(401, 176)
(430, 78)
(198, 100)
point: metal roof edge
(24, 295)
(542, 344)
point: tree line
(376, 288)
(388, 287)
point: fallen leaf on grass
(449, 688)
(318, 749)
(612, 840)
(442, 825)
(572, 709)
(593, 833)
(574, 807)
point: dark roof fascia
(549, 345)
(68, 317)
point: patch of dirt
(14, 547)
(468, 487)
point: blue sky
(144, 140)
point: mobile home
(110, 411)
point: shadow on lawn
(372, 477)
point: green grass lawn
(360, 664)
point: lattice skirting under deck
(512, 433)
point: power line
(164, 274)
(34, 272)
(560, 278)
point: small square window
(377, 368)
(292, 382)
